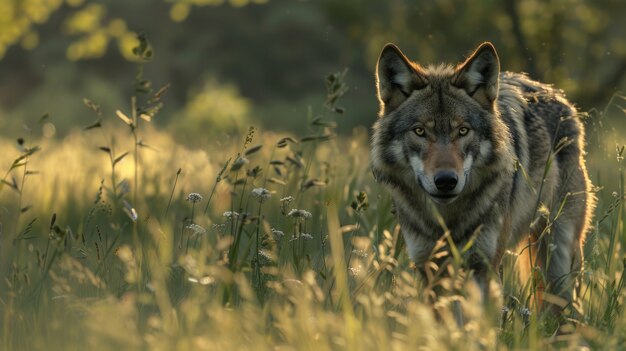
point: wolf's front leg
(486, 253)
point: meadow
(117, 237)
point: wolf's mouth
(443, 198)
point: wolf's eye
(420, 131)
(463, 131)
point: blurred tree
(275, 53)
(181, 8)
(213, 110)
(576, 44)
(18, 19)
(94, 35)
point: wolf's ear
(396, 78)
(478, 75)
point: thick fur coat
(489, 156)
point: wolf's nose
(445, 181)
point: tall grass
(273, 242)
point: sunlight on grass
(120, 238)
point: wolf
(490, 158)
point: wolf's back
(548, 138)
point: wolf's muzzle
(446, 181)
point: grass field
(118, 238)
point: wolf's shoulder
(521, 93)
(523, 82)
(529, 89)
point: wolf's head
(436, 123)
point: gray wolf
(483, 155)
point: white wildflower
(221, 228)
(306, 236)
(354, 271)
(196, 229)
(231, 214)
(287, 199)
(194, 197)
(360, 253)
(261, 194)
(278, 233)
(303, 214)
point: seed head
(238, 163)
(278, 233)
(130, 211)
(266, 255)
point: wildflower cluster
(194, 198)
(261, 194)
(196, 229)
(299, 214)
(230, 214)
